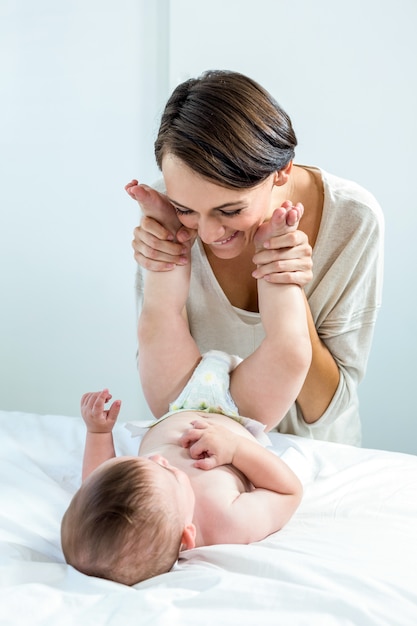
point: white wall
(80, 91)
(346, 74)
(83, 84)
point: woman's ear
(281, 176)
(188, 537)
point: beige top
(344, 298)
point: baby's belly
(169, 431)
(163, 439)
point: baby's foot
(155, 205)
(283, 220)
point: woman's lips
(225, 241)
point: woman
(226, 149)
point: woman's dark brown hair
(226, 127)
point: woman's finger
(289, 278)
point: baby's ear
(188, 537)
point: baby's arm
(99, 421)
(252, 515)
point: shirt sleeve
(344, 298)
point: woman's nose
(210, 230)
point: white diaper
(208, 388)
(208, 391)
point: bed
(347, 557)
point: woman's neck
(305, 185)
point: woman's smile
(225, 241)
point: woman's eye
(231, 213)
(179, 211)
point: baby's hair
(227, 128)
(120, 526)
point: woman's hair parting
(227, 128)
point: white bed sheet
(347, 558)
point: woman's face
(226, 219)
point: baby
(201, 476)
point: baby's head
(129, 520)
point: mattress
(347, 557)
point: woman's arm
(322, 378)
(341, 310)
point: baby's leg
(167, 352)
(267, 383)
(285, 219)
(154, 204)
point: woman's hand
(283, 254)
(161, 241)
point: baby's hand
(210, 444)
(96, 417)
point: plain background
(83, 83)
